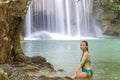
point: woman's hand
(74, 76)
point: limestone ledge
(34, 68)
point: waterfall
(78, 19)
(56, 19)
(68, 18)
(28, 23)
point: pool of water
(65, 54)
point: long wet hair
(86, 45)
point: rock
(42, 35)
(115, 34)
(47, 66)
(3, 75)
(38, 59)
(7, 68)
(39, 70)
(30, 68)
(28, 72)
(68, 78)
(19, 73)
(19, 64)
(20, 58)
(54, 78)
(28, 59)
(60, 70)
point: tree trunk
(12, 14)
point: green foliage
(116, 7)
(111, 1)
(113, 5)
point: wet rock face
(107, 14)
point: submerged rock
(60, 70)
(38, 59)
(45, 66)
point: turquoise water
(65, 54)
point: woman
(84, 63)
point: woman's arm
(81, 63)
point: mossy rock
(3, 75)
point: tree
(12, 14)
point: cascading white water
(49, 19)
(60, 24)
(78, 19)
(68, 18)
(28, 23)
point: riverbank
(34, 68)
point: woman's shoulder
(87, 54)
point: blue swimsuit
(90, 71)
